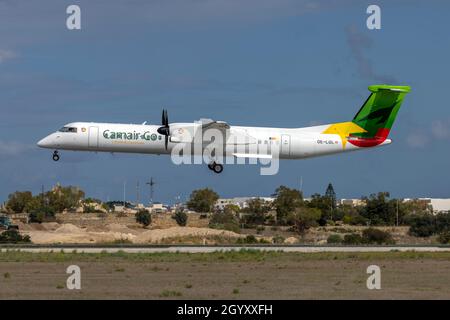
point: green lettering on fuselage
(112, 135)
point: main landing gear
(216, 167)
(55, 156)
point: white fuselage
(295, 143)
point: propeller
(165, 129)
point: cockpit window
(68, 129)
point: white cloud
(441, 129)
(6, 55)
(417, 140)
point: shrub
(355, 220)
(13, 236)
(180, 217)
(278, 239)
(442, 222)
(421, 225)
(444, 237)
(42, 214)
(372, 235)
(260, 229)
(250, 239)
(143, 217)
(335, 238)
(353, 238)
(102, 215)
(224, 221)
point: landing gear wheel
(55, 156)
(211, 166)
(218, 168)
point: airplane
(369, 128)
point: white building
(241, 202)
(157, 207)
(438, 204)
(353, 202)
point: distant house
(437, 204)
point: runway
(209, 249)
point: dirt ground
(92, 228)
(95, 229)
(217, 276)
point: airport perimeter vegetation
(260, 253)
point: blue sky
(274, 63)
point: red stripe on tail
(379, 138)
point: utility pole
(137, 192)
(397, 212)
(301, 185)
(151, 183)
(124, 193)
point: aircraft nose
(44, 143)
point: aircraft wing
(253, 155)
(213, 124)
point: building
(437, 204)
(241, 202)
(353, 202)
(157, 207)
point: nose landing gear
(55, 156)
(216, 167)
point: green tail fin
(378, 113)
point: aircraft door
(285, 144)
(93, 137)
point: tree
(256, 211)
(180, 217)
(62, 198)
(18, 200)
(231, 208)
(323, 204)
(257, 205)
(304, 218)
(331, 196)
(143, 217)
(202, 200)
(379, 210)
(41, 214)
(34, 204)
(286, 201)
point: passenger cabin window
(68, 129)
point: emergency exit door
(93, 137)
(285, 144)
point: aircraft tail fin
(378, 113)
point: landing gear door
(285, 144)
(93, 137)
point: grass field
(225, 275)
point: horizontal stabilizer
(252, 155)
